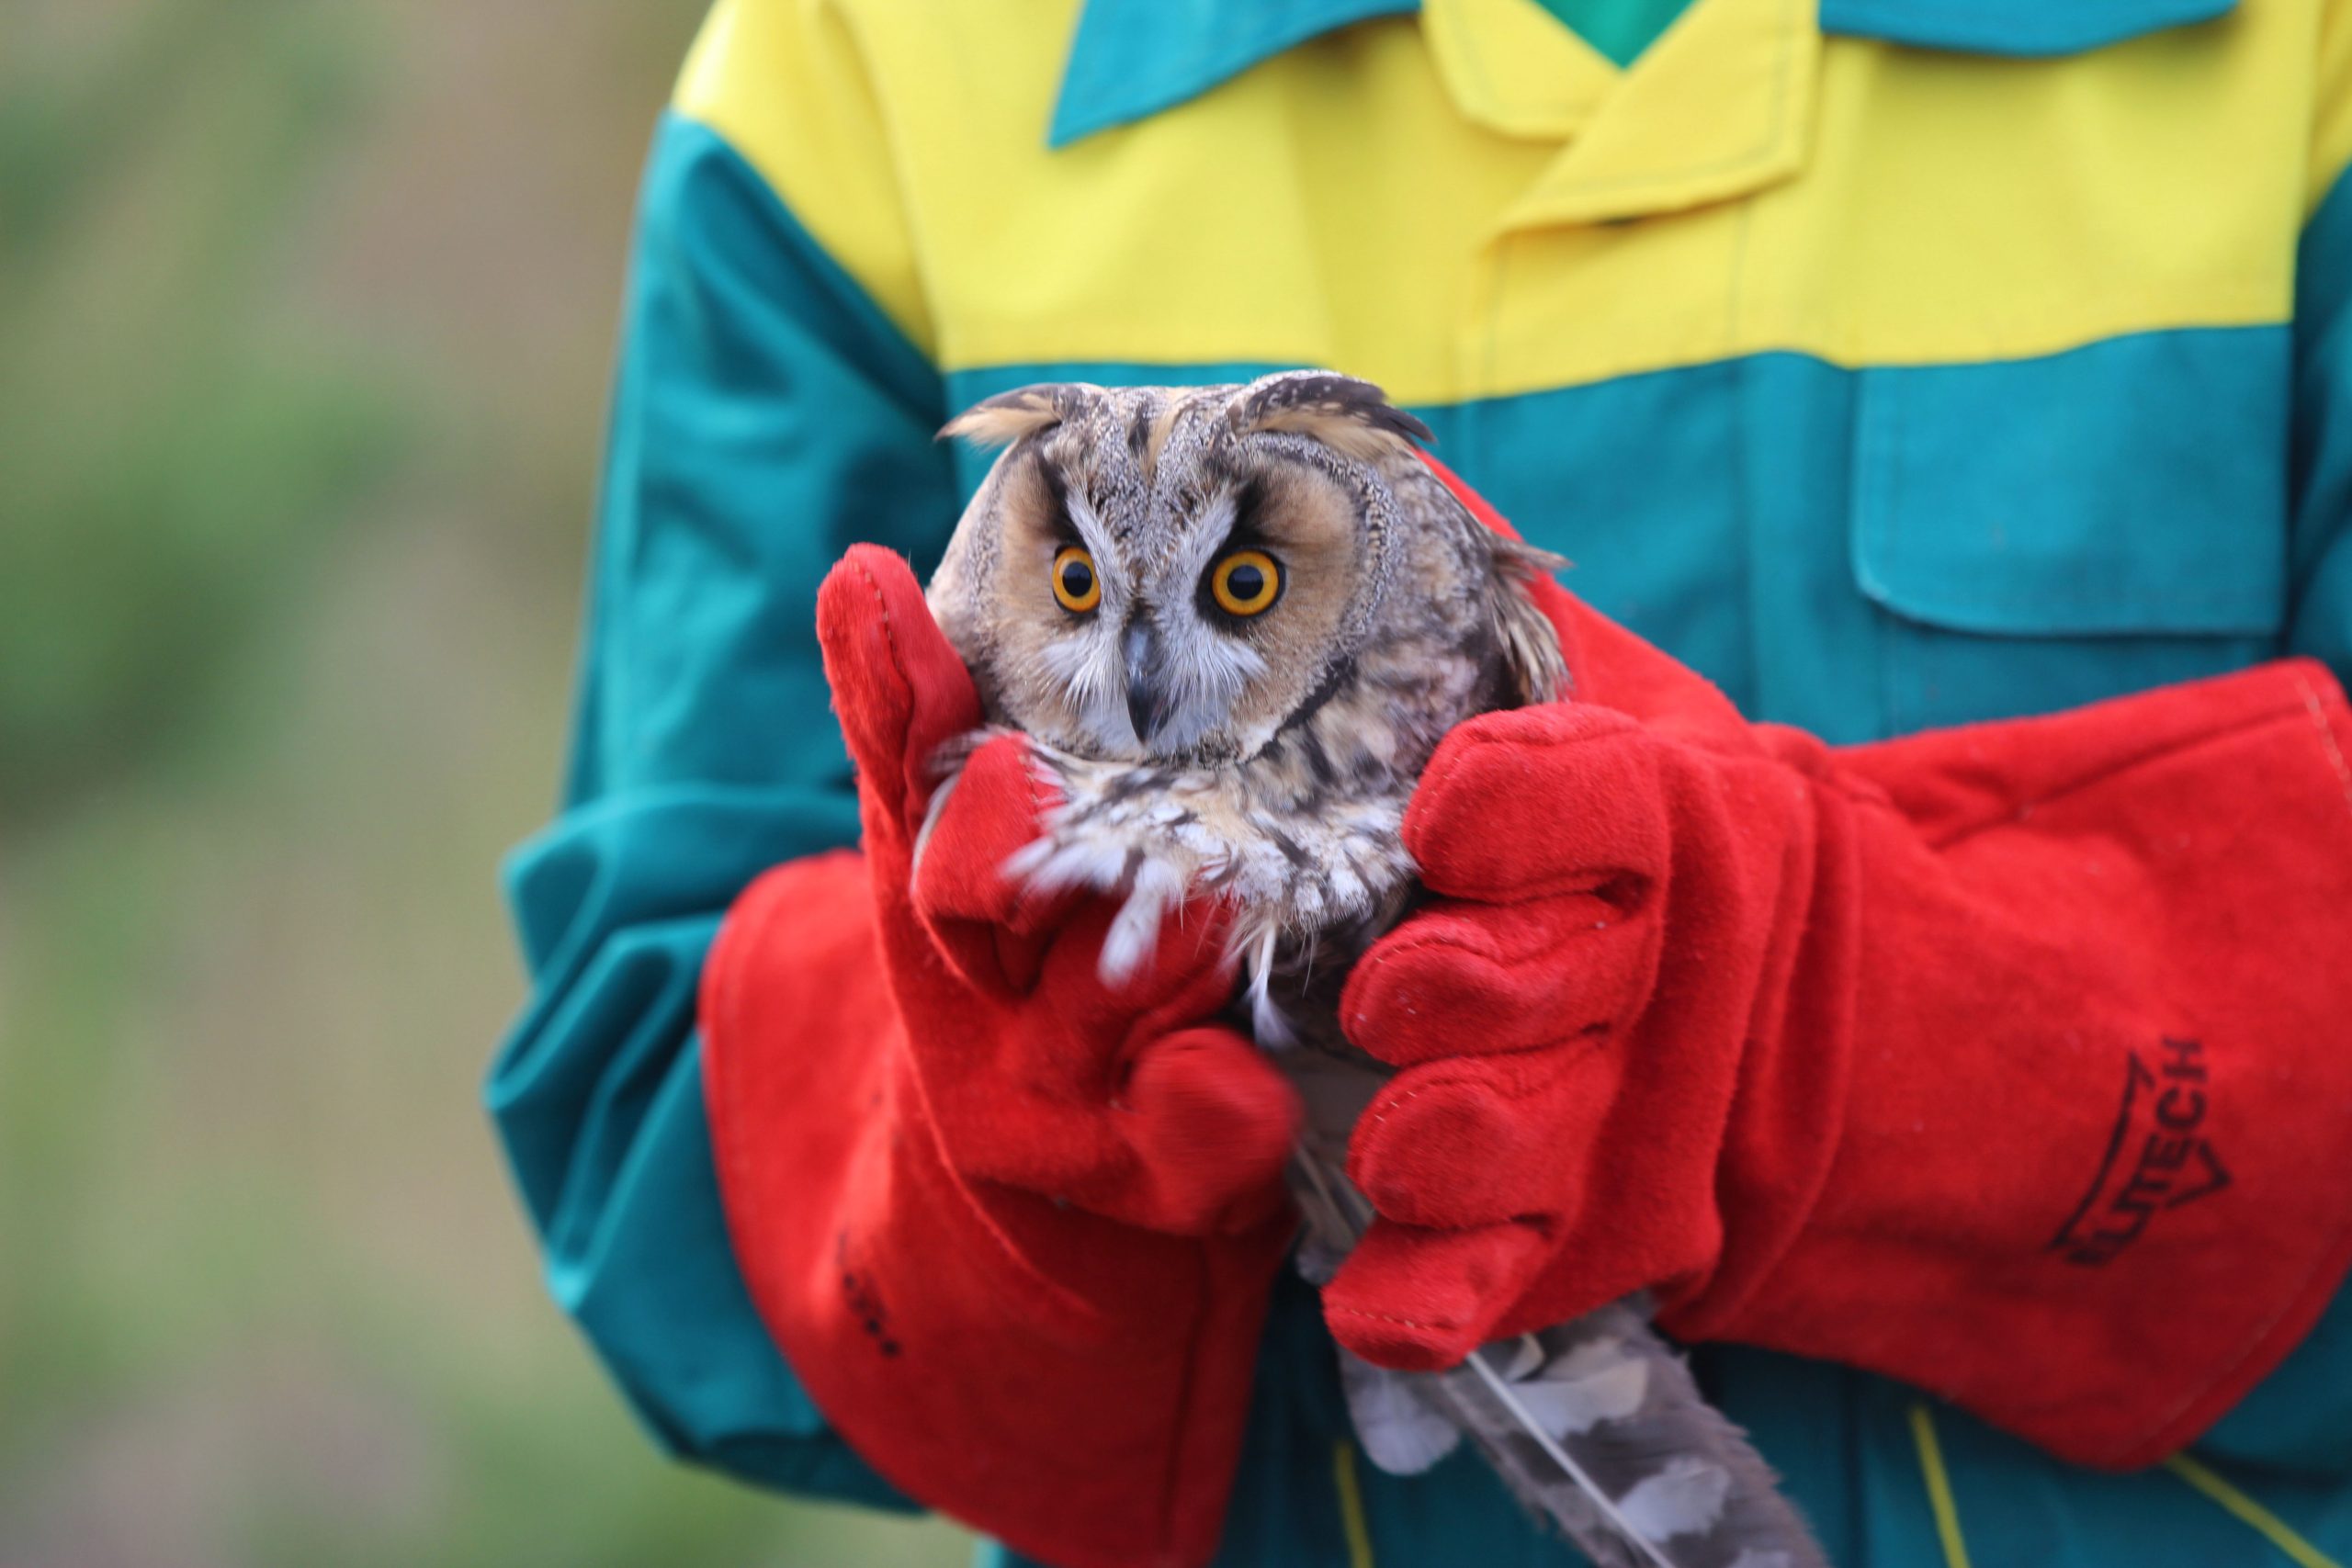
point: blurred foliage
(165, 464)
(305, 315)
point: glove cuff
(1075, 1387)
(2095, 1173)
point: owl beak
(1147, 700)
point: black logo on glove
(864, 1297)
(2158, 1159)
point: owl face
(1165, 574)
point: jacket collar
(1716, 109)
(1131, 59)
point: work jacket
(1895, 363)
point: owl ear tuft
(1004, 418)
(1350, 416)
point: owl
(1234, 622)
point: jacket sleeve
(2300, 1418)
(772, 406)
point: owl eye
(1246, 582)
(1076, 588)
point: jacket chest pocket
(2039, 534)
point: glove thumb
(898, 687)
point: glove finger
(1421, 1300)
(984, 813)
(1536, 801)
(1479, 1141)
(1211, 1121)
(1460, 980)
(1182, 976)
(900, 689)
(991, 927)
(1067, 1038)
(1188, 1138)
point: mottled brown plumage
(1266, 753)
(1286, 743)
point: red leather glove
(1014, 1230)
(2010, 1061)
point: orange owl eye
(1246, 582)
(1076, 588)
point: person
(1949, 412)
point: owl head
(1181, 573)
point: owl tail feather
(1595, 1425)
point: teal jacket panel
(767, 416)
(1858, 552)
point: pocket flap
(2134, 485)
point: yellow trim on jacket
(1870, 204)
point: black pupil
(1246, 582)
(1077, 579)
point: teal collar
(1131, 59)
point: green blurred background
(306, 314)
